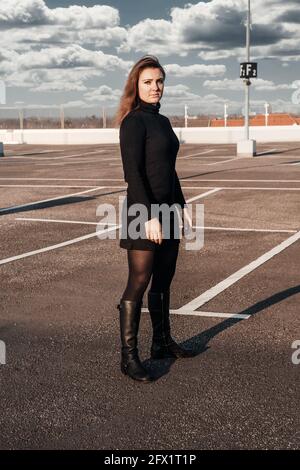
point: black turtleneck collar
(149, 107)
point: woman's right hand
(154, 230)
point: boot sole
(145, 380)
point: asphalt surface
(61, 386)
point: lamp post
(266, 113)
(185, 116)
(62, 116)
(2, 101)
(225, 115)
(247, 147)
(103, 117)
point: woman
(148, 148)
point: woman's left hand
(186, 221)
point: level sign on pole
(248, 70)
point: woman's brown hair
(130, 98)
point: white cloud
(219, 54)
(195, 70)
(97, 16)
(206, 104)
(103, 94)
(70, 57)
(25, 13)
(40, 43)
(26, 24)
(57, 69)
(215, 30)
(179, 95)
(179, 92)
(51, 80)
(151, 37)
(238, 84)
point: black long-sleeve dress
(149, 148)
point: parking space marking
(54, 158)
(75, 162)
(65, 179)
(224, 188)
(239, 180)
(58, 245)
(62, 221)
(195, 154)
(53, 247)
(211, 157)
(205, 314)
(183, 179)
(238, 229)
(243, 187)
(45, 186)
(223, 229)
(233, 278)
(212, 191)
(224, 161)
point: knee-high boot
(130, 313)
(163, 345)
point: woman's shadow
(199, 343)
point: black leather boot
(163, 345)
(130, 314)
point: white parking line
(7, 209)
(44, 186)
(53, 247)
(224, 161)
(205, 314)
(58, 245)
(237, 229)
(225, 229)
(204, 194)
(64, 179)
(195, 154)
(57, 158)
(62, 221)
(211, 157)
(224, 188)
(241, 187)
(239, 180)
(233, 278)
(74, 162)
(183, 179)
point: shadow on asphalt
(199, 343)
(54, 203)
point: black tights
(161, 264)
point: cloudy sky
(79, 52)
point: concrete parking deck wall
(192, 135)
